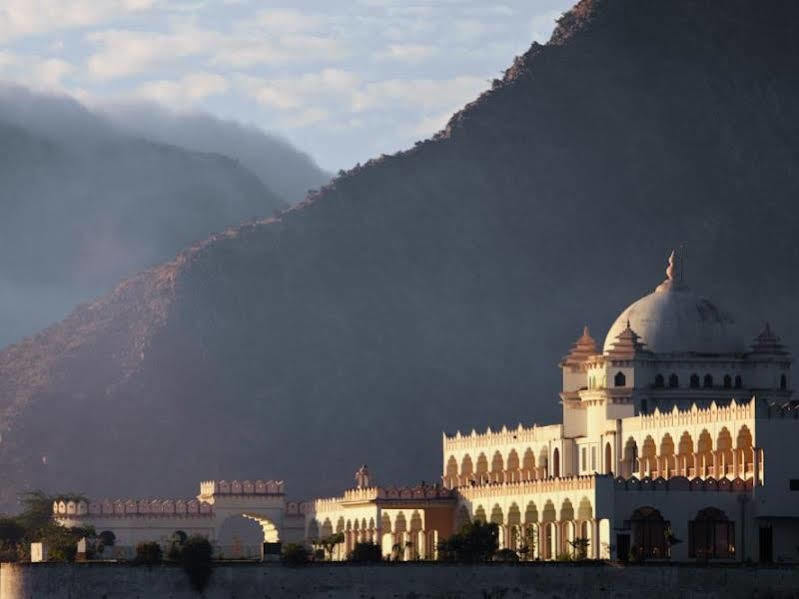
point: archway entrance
(240, 537)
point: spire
(674, 273)
(768, 343)
(584, 347)
(628, 344)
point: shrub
(506, 555)
(148, 553)
(295, 554)
(476, 542)
(365, 552)
(196, 558)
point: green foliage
(529, 542)
(328, 544)
(476, 542)
(365, 553)
(564, 557)
(176, 543)
(148, 554)
(107, 538)
(11, 531)
(196, 558)
(506, 555)
(295, 554)
(580, 547)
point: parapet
(209, 488)
(126, 508)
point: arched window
(708, 382)
(674, 381)
(711, 535)
(727, 381)
(659, 381)
(643, 406)
(556, 463)
(649, 533)
(694, 381)
(619, 380)
(738, 381)
(783, 382)
(608, 459)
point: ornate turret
(768, 343)
(582, 349)
(627, 345)
(362, 478)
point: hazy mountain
(284, 169)
(84, 205)
(437, 289)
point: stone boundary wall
(600, 581)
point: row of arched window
(695, 382)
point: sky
(344, 81)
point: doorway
(766, 544)
(623, 547)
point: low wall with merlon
(116, 581)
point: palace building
(661, 454)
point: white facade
(663, 448)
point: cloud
(35, 71)
(126, 53)
(287, 20)
(19, 18)
(409, 53)
(185, 91)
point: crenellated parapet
(682, 483)
(529, 487)
(210, 488)
(520, 434)
(127, 508)
(380, 495)
(691, 416)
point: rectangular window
(593, 459)
(793, 484)
(582, 459)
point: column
(558, 539)
(735, 463)
(716, 461)
(594, 538)
(756, 465)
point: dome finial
(674, 274)
(670, 269)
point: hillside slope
(84, 206)
(436, 289)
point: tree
(529, 542)
(328, 543)
(506, 555)
(475, 542)
(365, 553)
(295, 554)
(580, 547)
(148, 553)
(196, 558)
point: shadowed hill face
(438, 288)
(84, 206)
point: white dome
(673, 319)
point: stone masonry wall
(114, 581)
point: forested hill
(437, 289)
